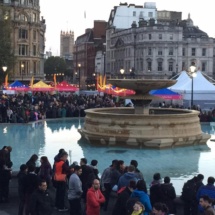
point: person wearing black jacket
(167, 195)
(123, 196)
(22, 187)
(41, 202)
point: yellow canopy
(41, 86)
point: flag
(85, 15)
(100, 80)
(55, 81)
(32, 81)
(6, 81)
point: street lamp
(22, 68)
(4, 68)
(79, 76)
(193, 75)
(122, 72)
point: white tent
(182, 80)
(203, 90)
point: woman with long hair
(45, 172)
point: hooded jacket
(144, 199)
(125, 179)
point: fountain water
(142, 126)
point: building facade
(158, 48)
(85, 49)
(67, 44)
(28, 38)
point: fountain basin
(162, 128)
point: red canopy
(65, 86)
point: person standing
(60, 177)
(94, 199)
(22, 187)
(75, 191)
(206, 204)
(41, 202)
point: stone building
(85, 49)
(158, 48)
(67, 44)
(28, 38)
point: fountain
(142, 126)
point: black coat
(120, 205)
(22, 184)
(167, 196)
(41, 203)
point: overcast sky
(69, 15)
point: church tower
(67, 44)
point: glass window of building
(23, 34)
(171, 36)
(183, 52)
(183, 65)
(149, 66)
(23, 18)
(171, 51)
(23, 50)
(160, 52)
(34, 50)
(193, 52)
(204, 52)
(149, 51)
(34, 18)
(134, 13)
(35, 68)
(34, 35)
(160, 66)
(203, 66)
(150, 14)
(160, 36)
(150, 36)
(170, 66)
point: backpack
(189, 190)
(130, 204)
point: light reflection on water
(46, 138)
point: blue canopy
(17, 84)
(165, 94)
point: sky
(69, 15)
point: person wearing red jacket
(94, 199)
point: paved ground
(11, 208)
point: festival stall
(166, 94)
(66, 87)
(18, 86)
(41, 86)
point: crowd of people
(22, 108)
(88, 194)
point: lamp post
(79, 76)
(122, 72)
(4, 68)
(193, 75)
(22, 68)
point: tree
(6, 52)
(54, 65)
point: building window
(23, 50)
(34, 35)
(160, 66)
(170, 66)
(183, 65)
(34, 18)
(160, 52)
(170, 51)
(34, 50)
(183, 51)
(204, 52)
(150, 36)
(150, 14)
(35, 68)
(171, 36)
(160, 36)
(134, 13)
(149, 66)
(203, 66)
(23, 18)
(23, 34)
(149, 51)
(193, 52)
